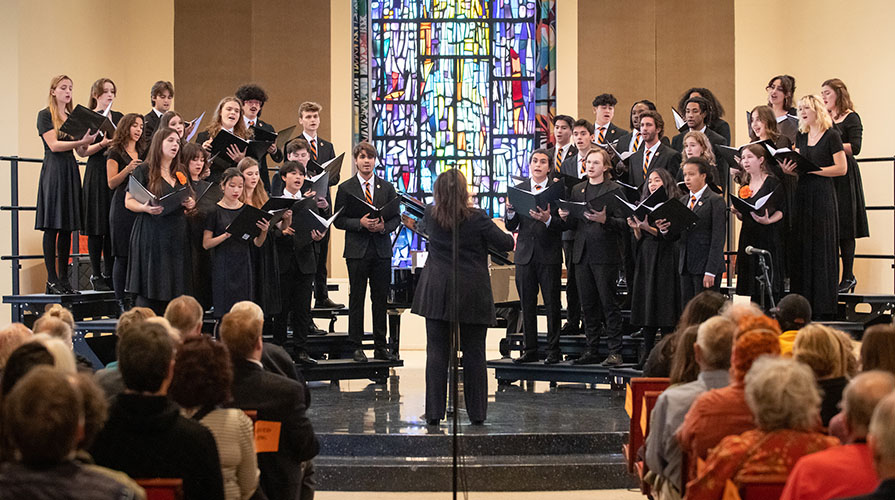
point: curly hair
(251, 92)
(203, 373)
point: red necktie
(367, 194)
(692, 201)
(314, 149)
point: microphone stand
(765, 282)
(455, 355)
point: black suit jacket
(325, 152)
(357, 238)
(665, 157)
(433, 292)
(702, 246)
(552, 153)
(612, 133)
(150, 123)
(277, 399)
(571, 166)
(276, 156)
(597, 243)
(537, 242)
(296, 255)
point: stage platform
(374, 437)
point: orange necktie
(692, 201)
(251, 123)
(646, 162)
(583, 166)
(602, 138)
(314, 149)
(637, 141)
(367, 194)
(558, 158)
(538, 187)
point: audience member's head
(878, 348)
(131, 317)
(146, 358)
(748, 323)
(174, 334)
(848, 350)
(42, 415)
(881, 438)
(782, 394)
(683, 362)
(11, 337)
(54, 327)
(248, 305)
(63, 357)
(185, 315)
(793, 312)
(21, 361)
(860, 398)
(700, 308)
(241, 332)
(714, 343)
(203, 374)
(747, 348)
(96, 409)
(58, 311)
(739, 312)
(818, 347)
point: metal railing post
(14, 223)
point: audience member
(274, 398)
(274, 358)
(203, 375)
(700, 308)
(54, 327)
(58, 311)
(145, 435)
(878, 348)
(793, 312)
(881, 442)
(42, 417)
(20, 362)
(740, 311)
(11, 337)
(185, 315)
(844, 470)
(714, 340)
(818, 347)
(783, 399)
(63, 357)
(684, 368)
(109, 378)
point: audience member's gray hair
(248, 305)
(782, 394)
(715, 341)
(861, 396)
(736, 312)
(882, 431)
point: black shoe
(314, 330)
(612, 360)
(432, 421)
(590, 358)
(304, 358)
(359, 356)
(55, 289)
(67, 288)
(382, 354)
(847, 285)
(99, 284)
(327, 303)
(553, 358)
(528, 357)
(570, 329)
(477, 422)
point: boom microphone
(750, 250)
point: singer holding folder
(159, 254)
(475, 303)
(227, 117)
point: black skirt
(59, 186)
(656, 291)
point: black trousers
(376, 271)
(320, 291)
(295, 290)
(438, 356)
(529, 278)
(597, 288)
(691, 285)
(573, 304)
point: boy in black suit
(253, 98)
(321, 151)
(562, 131)
(652, 153)
(161, 95)
(605, 131)
(368, 251)
(538, 262)
(632, 140)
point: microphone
(750, 250)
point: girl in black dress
(232, 277)
(849, 187)
(227, 116)
(264, 258)
(656, 298)
(97, 195)
(762, 229)
(763, 127)
(159, 254)
(123, 158)
(197, 163)
(59, 187)
(813, 264)
(173, 120)
(781, 91)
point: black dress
(97, 197)
(656, 290)
(813, 250)
(767, 237)
(232, 276)
(201, 270)
(121, 220)
(849, 187)
(158, 267)
(59, 187)
(267, 277)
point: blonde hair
(239, 130)
(819, 347)
(54, 111)
(703, 142)
(11, 337)
(259, 195)
(63, 358)
(813, 102)
(54, 327)
(58, 311)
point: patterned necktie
(637, 141)
(646, 162)
(251, 123)
(602, 138)
(314, 149)
(692, 201)
(558, 158)
(538, 187)
(367, 194)
(583, 166)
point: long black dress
(97, 197)
(267, 277)
(201, 270)
(159, 255)
(232, 276)
(59, 187)
(767, 237)
(656, 291)
(121, 220)
(849, 187)
(813, 256)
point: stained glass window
(454, 83)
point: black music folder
(575, 208)
(523, 201)
(803, 165)
(278, 203)
(319, 184)
(283, 137)
(260, 142)
(306, 220)
(82, 120)
(744, 207)
(607, 200)
(642, 209)
(334, 166)
(675, 212)
(169, 203)
(223, 141)
(201, 188)
(357, 208)
(631, 193)
(245, 225)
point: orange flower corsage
(182, 178)
(745, 192)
